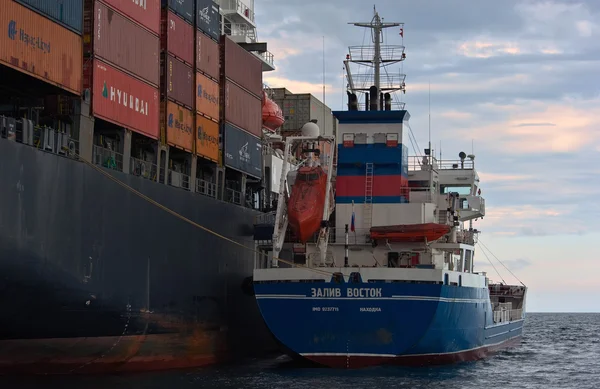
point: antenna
(323, 124)
(430, 153)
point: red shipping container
(144, 12)
(40, 48)
(126, 45)
(177, 81)
(243, 109)
(177, 37)
(207, 55)
(242, 67)
(124, 100)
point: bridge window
(468, 261)
(460, 189)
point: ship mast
(377, 56)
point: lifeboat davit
(305, 206)
(272, 115)
(410, 232)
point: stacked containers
(207, 77)
(56, 56)
(242, 108)
(177, 75)
(124, 74)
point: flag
(402, 32)
(352, 220)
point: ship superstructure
(396, 281)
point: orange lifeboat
(272, 115)
(410, 232)
(305, 206)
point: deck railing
(417, 162)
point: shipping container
(299, 109)
(242, 109)
(121, 99)
(207, 140)
(177, 37)
(207, 18)
(207, 56)
(241, 66)
(183, 8)
(37, 46)
(125, 44)
(177, 81)
(207, 96)
(144, 12)
(68, 13)
(243, 151)
(177, 123)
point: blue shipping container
(207, 18)
(69, 13)
(183, 8)
(243, 151)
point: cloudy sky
(518, 80)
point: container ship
(167, 99)
(384, 273)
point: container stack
(207, 88)
(177, 76)
(122, 53)
(56, 57)
(241, 108)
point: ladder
(368, 208)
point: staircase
(368, 208)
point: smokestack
(352, 102)
(374, 98)
(381, 101)
(366, 101)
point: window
(468, 261)
(460, 189)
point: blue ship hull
(364, 324)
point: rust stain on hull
(112, 354)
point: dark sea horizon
(558, 350)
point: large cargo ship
(390, 277)
(114, 148)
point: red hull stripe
(357, 361)
(350, 186)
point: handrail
(415, 162)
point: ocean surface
(558, 351)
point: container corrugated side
(144, 12)
(207, 138)
(125, 44)
(37, 46)
(177, 81)
(183, 8)
(177, 37)
(243, 151)
(124, 100)
(66, 12)
(242, 109)
(178, 125)
(207, 18)
(207, 96)
(241, 66)
(208, 56)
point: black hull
(93, 275)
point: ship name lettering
(326, 292)
(364, 292)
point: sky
(514, 82)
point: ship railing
(338, 236)
(107, 158)
(238, 6)
(233, 196)
(144, 169)
(178, 179)
(206, 188)
(43, 138)
(240, 29)
(265, 218)
(426, 162)
(466, 237)
(506, 315)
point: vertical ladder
(368, 209)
